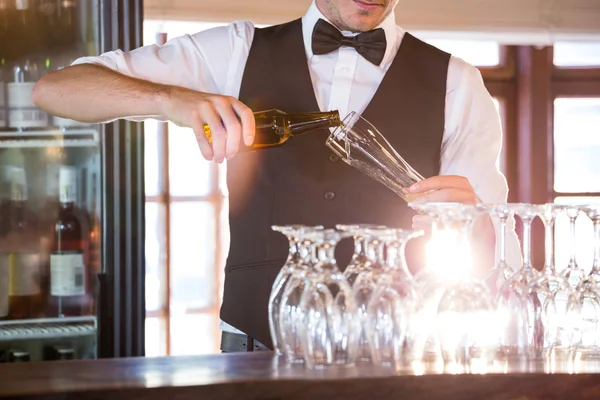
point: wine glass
(364, 281)
(583, 315)
(513, 301)
(362, 146)
(393, 305)
(290, 317)
(557, 285)
(526, 305)
(573, 273)
(295, 259)
(501, 272)
(328, 311)
(593, 213)
(359, 262)
(465, 312)
(584, 304)
(431, 282)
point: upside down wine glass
(501, 272)
(573, 273)
(364, 281)
(557, 329)
(526, 306)
(393, 305)
(329, 328)
(359, 263)
(287, 290)
(294, 234)
(465, 312)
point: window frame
(218, 199)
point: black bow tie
(327, 38)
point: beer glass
(362, 146)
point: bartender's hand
(229, 120)
(446, 188)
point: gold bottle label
(24, 274)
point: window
(577, 145)
(480, 53)
(577, 54)
(185, 200)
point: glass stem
(372, 250)
(596, 265)
(527, 243)
(360, 248)
(573, 251)
(549, 245)
(502, 242)
(294, 254)
(325, 252)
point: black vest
(302, 182)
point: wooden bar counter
(262, 375)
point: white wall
(507, 21)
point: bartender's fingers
(246, 117)
(441, 182)
(233, 127)
(203, 143)
(463, 196)
(217, 130)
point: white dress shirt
(214, 60)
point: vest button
(329, 196)
(333, 158)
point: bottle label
(19, 95)
(4, 266)
(67, 274)
(67, 179)
(24, 274)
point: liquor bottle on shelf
(22, 112)
(275, 127)
(69, 294)
(21, 252)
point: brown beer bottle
(275, 127)
(68, 269)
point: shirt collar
(313, 14)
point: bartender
(345, 55)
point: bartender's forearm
(95, 94)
